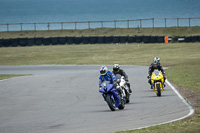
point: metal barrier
(137, 23)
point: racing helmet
(116, 67)
(103, 70)
(157, 59)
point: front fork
(155, 86)
(115, 95)
(104, 96)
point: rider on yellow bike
(156, 65)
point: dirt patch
(191, 97)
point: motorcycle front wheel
(122, 105)
(158, 90)
(111, 102)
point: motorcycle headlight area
(155, 81)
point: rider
(107, 76)
(156, 65)
(117, 70)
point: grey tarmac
(65, 98)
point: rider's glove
(99, 88)
(164, 74)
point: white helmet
(103, 70)
(157, 59)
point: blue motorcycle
(111, 96)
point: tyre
(111, 102)
(127, 98)
(158, 90)
(122, 105)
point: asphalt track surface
(65, 98)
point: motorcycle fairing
(108, 89)
(116, 96)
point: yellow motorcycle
(157, 82)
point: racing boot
(151, 87)
(149, 81)
(129, 86)
(164, 81)
(130, 91)
(120, 91)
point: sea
(15, 12)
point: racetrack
(65, 98)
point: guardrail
(15, 42)
(137, 23)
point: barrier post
(101, 24)
(61, 26)
(178, 22)
(153, 22)
(115, 24)
(35, 26)
(21, 26)
(166, 39)
(7, 27)
(128, 24)
(189, 22)
(75, 25)
(48, 25)
(88, 24)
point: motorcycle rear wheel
(127, 99)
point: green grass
(186, 76)
(4, 76)
(131, 54)
(171, 31)
(188, 125)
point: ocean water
(37, 11)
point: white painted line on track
(183, 100)
(3, 80)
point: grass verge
(188, 125)
(4, 76)
(182, 59)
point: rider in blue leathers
(110, 78)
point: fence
(137, 23)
